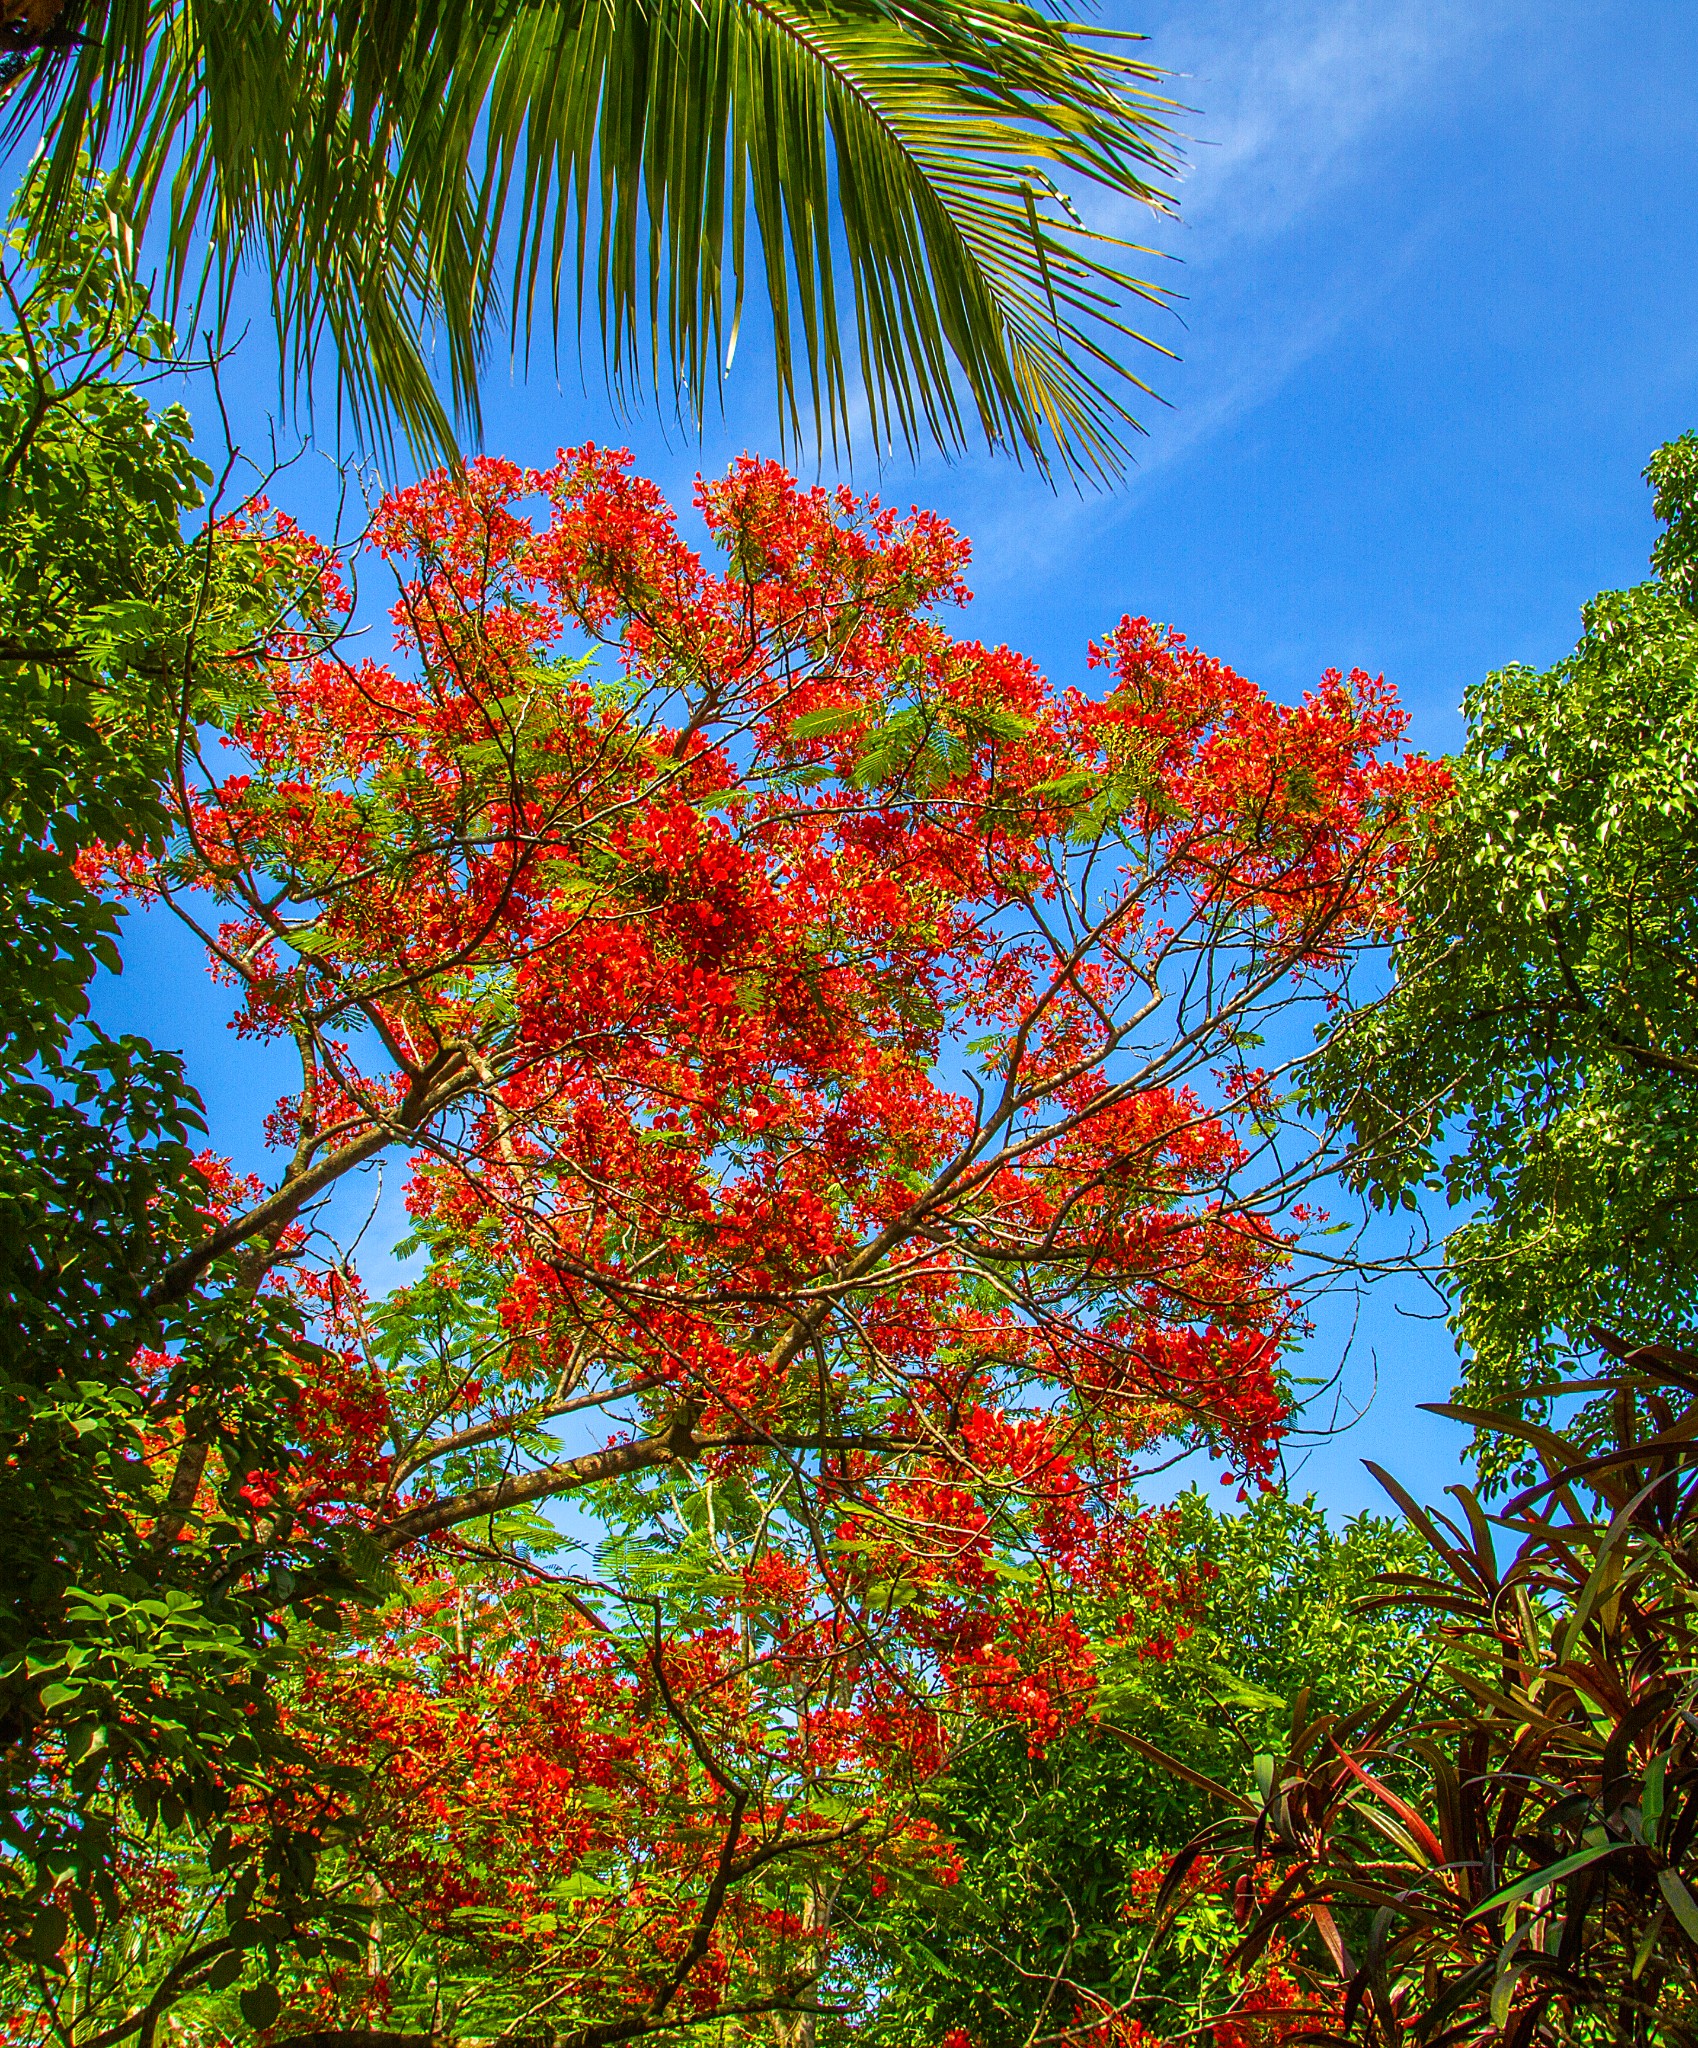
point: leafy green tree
(393, 166)
(1049, 1927)
(132, 1693)
(1536, 1061)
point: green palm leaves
(418, 176)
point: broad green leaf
(261, 2004)
(1680, 1901)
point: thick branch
(435, 1087)
(627, 2030)
(676, 1446)
(365, 2037)
(427, 1449)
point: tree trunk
(800, 2029)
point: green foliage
(133, 1693)
(97, 598)
(1537, 1059)
(1060, 1852)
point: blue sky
(1440, 303)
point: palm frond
(393, 163)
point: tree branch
(429, 1093)
(676, 1446)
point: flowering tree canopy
(818, 1044)
(823, 1055)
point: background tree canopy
(1537, 1059)
(1048, 1924)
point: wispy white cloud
(1288, 93)
(1020, 528)
(1297, 102)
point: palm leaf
(890, 172)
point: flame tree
(821, 1054)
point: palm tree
(424, 173)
